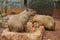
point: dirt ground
(53, 35)
(50, 35)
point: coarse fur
(16, 22)
(47, 21)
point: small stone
(49, 39)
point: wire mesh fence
(42, 6)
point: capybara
(47, 21)
(29, 27)
(16, 22)
(37, 35)
(32, 26)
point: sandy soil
(53, 35)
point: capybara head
(31, 11)
(36, 24)
(29, 27)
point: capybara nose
(33, 13)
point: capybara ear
(26, 9)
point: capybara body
(45, 20)
(32, 26)
(37, 35)
(16, 22)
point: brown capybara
(29, 27)
(37, 35)
(32, 26)
(47, 21)
(16, 22)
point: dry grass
(17, 10)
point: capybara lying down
(16, 22)
(32, 26)
(36, 35)
(47, 21)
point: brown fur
(16, 22)
(37, 35)
(47, 21)
(33, 26)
